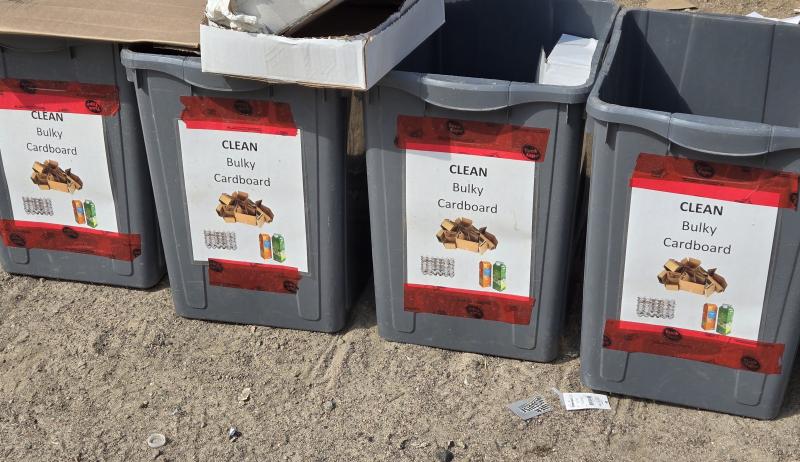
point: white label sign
(245, 196)
(469, 204)
(454, 187)
(56, 168)
(697, 263)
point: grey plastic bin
(334, 186)
(131, 256)
(699, 108)
(475, 82)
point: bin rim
(707, 134)
(501, 93)
(186, 68)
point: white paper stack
(570, 62)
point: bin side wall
(99, 64)
(322, 301)
(554, 202)
(690, 383)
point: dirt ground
(88, 372)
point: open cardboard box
(350, 46)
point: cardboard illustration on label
(242, 167)
(699, 245)
(469, 241)
(53, 153)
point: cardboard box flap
(333, 50)
(172, 23)
(275, 17)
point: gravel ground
(88, 372)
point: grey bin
(333, 186)
(38, 58)
(707, 90)
(485, 74)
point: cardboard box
(462, 234)
(690, 277)
(49, 175)
(352, 46)
(174, 23)
(239, 208)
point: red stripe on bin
(45, 236)
(733, 183)
(735, 353)
(238, 115)
(57, 96)
(253, 276)
(472, 138)
(473, 304)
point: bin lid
(172, 23)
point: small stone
(444, 455)
(329, 405)
(244, 396)
(253, 329)
(234, 433)
(402, 444)
(144, 404)
(202, 424)
(461, 444)
(451, 444)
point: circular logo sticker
(455, 128)
(291, 287)
(69, 232)
(531, 152)
(751, 363)
(474, 312)
(93, 106)
(672, 334)
(704, 169)
(27, 86)
(17, 240)
(243, 107)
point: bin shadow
(362, 314)
(791, 405)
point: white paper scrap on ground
(529, 408)
(792, 20)
(570, 62)
(580, 401)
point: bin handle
(187, 69)
(730, 137)
(450, 92)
